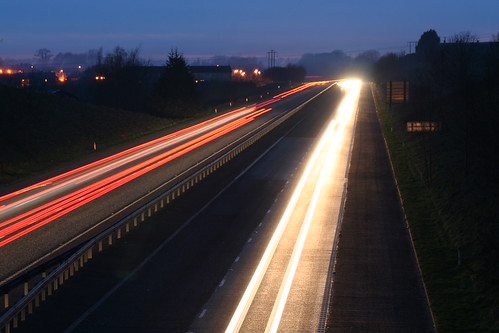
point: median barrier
(45, 284)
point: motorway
(159, 279)
(41, 220)
(287, 288)
(255, 246)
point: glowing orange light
(9, 71)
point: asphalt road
(21, 252)
(193, 281)
(152, 282)
(377, 286)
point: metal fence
(47, 281)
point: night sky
(200, 28)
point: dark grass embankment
(39, 132)
(453, 219)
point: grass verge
(458, 304)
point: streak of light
(346, 109)
(152, 153)
(334, 137)
(68, 203)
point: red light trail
(183, 141)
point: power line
(271, 57)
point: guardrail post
(81, 261)
(118, 236)
(14, 322)
(90, 252)
(49, 289)
(127, 227)
(37, 301)
(25, 290)
(61, 279)
(7, 328)
(23, 314)
(30, 308)
(100, 246)
(6, 300)
(156, 207)
(142, 217)
(44, 296)
(162, 203)
(149, 212)
(135, 221)
(110, 239)
(56, 284)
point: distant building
(201, 73)
(211, 73)
(39, 80)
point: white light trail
(331, 141)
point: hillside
(39, 132)
(453, 214)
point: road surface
(377, 286)
(37, 220)
(127, 289)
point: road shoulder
(377, 286)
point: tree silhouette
(123, 86)
(428, 45)
(44, 54)
(175, 94)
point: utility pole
(271, 57)
(410, 46)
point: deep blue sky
(232, 27)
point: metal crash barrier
(20, 300)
